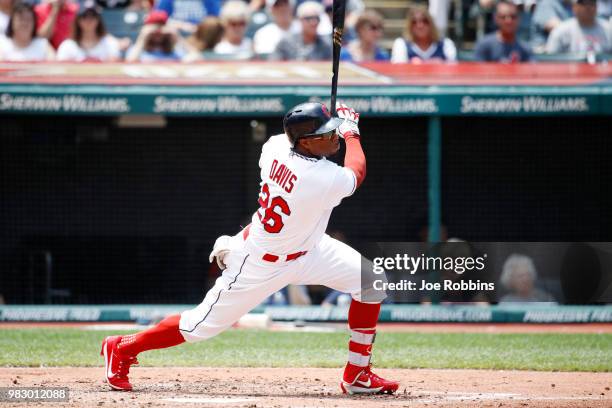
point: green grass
(252, 348)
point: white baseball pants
(248, 280)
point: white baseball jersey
(297, 196)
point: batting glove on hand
(220, 250)
(351, 119)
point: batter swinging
(285, 244)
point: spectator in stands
(519, 276)
(207, 35)
(547, 16)
(369, 28)
(421, 41)
(256, 5)
(267, 37)
(234, 18)
(113, 4)
(21, 42)
(89, 41)
(6, 7)
(140, 5)
(55, 19)
(439, 10)
(354, 8)
(325, 25)
(525, 13)
(307, 45)
(157, 41)
(186, 14)
(503, 45)
(582, 35)
(604, 9)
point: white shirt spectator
(267, 37)
(439, 10)
(570, 37)
(353, 9)
(38, 50)
(399, 52)
(107, 49)
(242, 51)
(4, 19)
(325, 26)
(604, 9)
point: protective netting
(95, 213)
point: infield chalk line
(488, 396)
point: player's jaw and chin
(334, 147)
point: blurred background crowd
(398, 31)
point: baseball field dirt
(316, 387)
(159, 384)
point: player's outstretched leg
(120, 352)
(358, 377)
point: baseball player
(285, 243)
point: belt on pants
(271, 257)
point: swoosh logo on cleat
(109, 372)
(365, 384)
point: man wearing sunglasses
(503, 45)
(307, 45)
(285, 244)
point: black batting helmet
(309, 119)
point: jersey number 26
(269, 217)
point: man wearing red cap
(157, 41)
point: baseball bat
(338, 10)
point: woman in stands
(234, 44)
(421, 41)
(369, 28)
(89, 42)
(21, 42)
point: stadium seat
(466, 55)
(123, 23)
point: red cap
(156, 17)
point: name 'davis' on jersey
(282, 176)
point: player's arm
(46, 28)
(354, 158)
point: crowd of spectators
(299, 30)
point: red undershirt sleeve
(354, 158)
